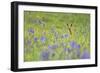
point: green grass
(46, 24)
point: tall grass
(56, 36)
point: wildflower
(85, 55)
(78, 46)
(35, 39)
(73, 44)
(31, 31)
(44, 55)
(49, 47)
(43, 39)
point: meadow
(52, 36)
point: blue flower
(85, 55)
(44, 55)
(73, 44)
(49, 47)
(43, 39)
(31, 31)
(35, 39)
(78, 46)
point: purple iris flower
(78, 46)
(85, 55)
(43, 39)
(31, 31)
(73, 44)
(49, 47)
(45, 55)
(35, 39)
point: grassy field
(56, 36)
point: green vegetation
(56, 36)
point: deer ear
(67, 24)
(71, 25)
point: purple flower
(85, 55)
(43, 39)
(31, 31)
(49, 47)
(44, 55)
(73, 44)
(78, 46)
(35, 39)
(65, 35)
